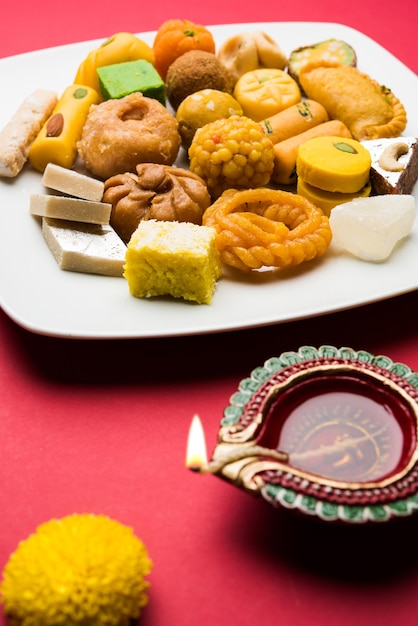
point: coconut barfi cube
(177, 259)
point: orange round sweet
(175, 37)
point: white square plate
(39, 296)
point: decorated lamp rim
(394, 493)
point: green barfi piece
(122, 79)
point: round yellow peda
(264, 92)
(334, 164)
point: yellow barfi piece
(119, 48)
(327, 200)
(57, 140)
(178, 259)
(334, 164)
(265, 92)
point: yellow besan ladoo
(119, 48)
(336, 164)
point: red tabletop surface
(101, 426)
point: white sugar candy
(369, 228)
(73, 209)
(88, 248)
(72, 183)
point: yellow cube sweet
(178, 259)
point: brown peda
(369, 110)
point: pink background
(31, 25)
(101, 427)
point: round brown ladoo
(193, 71)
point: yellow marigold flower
(81, 570)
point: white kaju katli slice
(370, 228)
(72, 209)
(88, 248)
(72, 183)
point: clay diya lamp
(330, 432)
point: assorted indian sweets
(285, 153)
(274, 143)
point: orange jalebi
(267, 227)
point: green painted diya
(329, 432)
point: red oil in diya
(341, 427)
